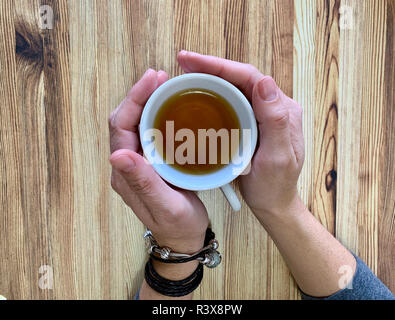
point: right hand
(271, 185)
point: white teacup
(248, 138)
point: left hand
(177, 218)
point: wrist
(179, 271)
(175, 271)
(293, 208)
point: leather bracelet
(172, 288)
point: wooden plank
(113, 77)
(371, 131)
(304, 81)
(30, 88)
(29, 80)
(87, 251)
(58, 145)
(349, 118)
(44, 172)
(386, 219)
(101, 78)
(12, 247)
(326, 113)
(361, 132)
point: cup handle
(231, 196)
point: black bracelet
(172, 288)
(210, 235)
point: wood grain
(349, 129)
(326, 113)
(386, 234)
(58, 87)
(13, 260)
(304, 86)
(282, 68)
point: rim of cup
(240, 105)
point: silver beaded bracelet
(208, 255)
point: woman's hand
(177, 219)
(270, 186)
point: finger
(142, 179)
(242, 75)
(272, 114)
(124, 120)
(127, 115)
(123, 139)
(296, 129)
(120, 186)
(162, 77)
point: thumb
(272, 114)
(141, 178)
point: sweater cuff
(137, 296)
(363, 286)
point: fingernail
(148, 71)
(268, 90)
(184, 62)
(124, 163)
(160, 72)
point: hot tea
(187, 121)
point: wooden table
(59, 85)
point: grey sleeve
(137, 296)
(364, 286)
